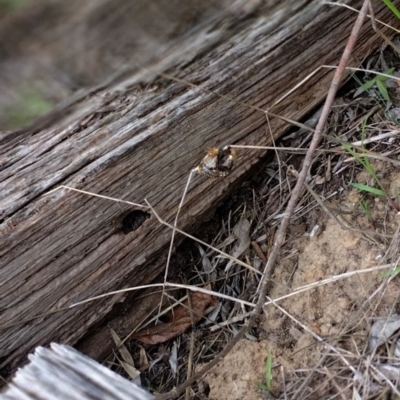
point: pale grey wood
(62, 373)
(136, 137)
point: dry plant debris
(340, 313)
(127, 360)
(179, 319)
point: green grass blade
(387, 72)
(268, 372)
(366, 188)
(356, 78)
(364, 126)
(370, 169)
(348, 148)
(364, 206)
(392, 272)
(365, 162)
(368, 85)
(383, 90)
(392, 8)
(357, 156)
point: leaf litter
(179, 319)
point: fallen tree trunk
(137, 136)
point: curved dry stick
(280, 236)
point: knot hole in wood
(134, 220)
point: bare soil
(340, 311)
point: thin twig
(332, 279)
(376, 138)
(190, 363)
(314, 335)
(281, 233)
(171, 245)
(369, 71)
(233, 320)
(166, 284)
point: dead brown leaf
(144, 361)
(127, 362)
(180, 319)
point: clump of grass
(363, 159)
(379, 82)
(365, 207)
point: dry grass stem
(331, 280)
(167, 284)
(97, 195)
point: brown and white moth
(218, 162)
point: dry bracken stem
(280, 236)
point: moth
(218, 162)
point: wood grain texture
(62, 373)
(137, 136)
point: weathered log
(136, 137)
(62, 373)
